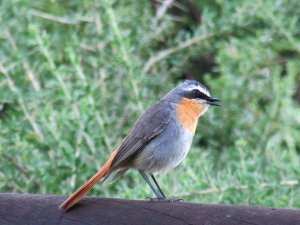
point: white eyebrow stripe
(201, 89)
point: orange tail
(74, 198)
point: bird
(158, 141)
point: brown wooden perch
(42, 209)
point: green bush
(76, 75)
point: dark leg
(158, 187)
(162, 193)
(157, 193)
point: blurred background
(75, 75)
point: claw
(155, 199)
(173, 200)
(164, 199)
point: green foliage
(76, 75)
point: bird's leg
(157, 193)
(158, 187)
(161, 192)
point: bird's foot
(154, 199)
(164, 199)
(173, 200)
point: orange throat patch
(188, 111)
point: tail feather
(74, 198)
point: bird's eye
(195, 94)
(198, 94)
(196, 91)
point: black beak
(213, 101)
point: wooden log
(42, 209)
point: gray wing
(152, 123)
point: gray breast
(165, 151)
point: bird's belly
(165, 151)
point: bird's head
(192, 99)
(195, 95)
(194, 91)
